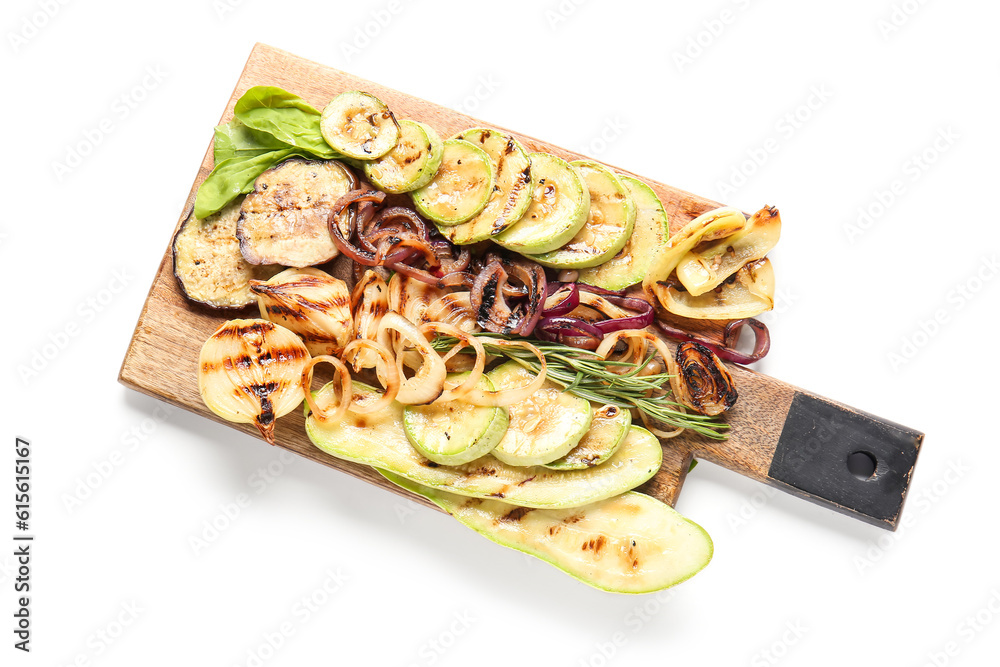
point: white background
(815, 107)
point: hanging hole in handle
(862, 465)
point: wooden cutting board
(780, 435)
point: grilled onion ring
(464, 340)
(346, 386)
(428, 382)
(387, 375)
(505, 397)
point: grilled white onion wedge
(630, 543)
(607, 431)
(461, 187)
(208, 264)
(359, 125)
(310, 303)
(652, 228)
(369, 302)
(560, 202)
(511, 187)
(250, 372)
(379, 440)
(284, 220)
(455, 432)
(609, 223)
(543, 427)
(412, 162)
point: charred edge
(704, 373)
(489, 298)
(515, 514)
(284, 312)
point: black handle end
(845, 459)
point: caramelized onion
(507, 397)
(387, 373)
(706, 385)
(428, 382)
(464, 340)
(346, 389)
(731, 336)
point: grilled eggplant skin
(208, 265)
(284, 220)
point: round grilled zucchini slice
(359, 125)
(607, 431)
(461, 187)
(542, 428)
(208, 264)
(652, 229)
(411, 163)
(284, 220)
(560, 202)
(609, 223)
(511, 187)
(454, 432)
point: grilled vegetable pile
(488, 315)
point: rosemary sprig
(584, 374)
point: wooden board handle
(804, 444)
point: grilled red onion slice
(731, 336)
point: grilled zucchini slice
(652, 229)
(511, 188)
(284, 219)
(379, 440)
(453, 433)
(609, 223)
(359, 125)
(560, 202)
(627, 544)
(208, 264)
(411, 163)
(606, 433)
(461, 187)
(545, 426)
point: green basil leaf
(286, 117)
(234, 177)
(234, 139)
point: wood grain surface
(162, 357)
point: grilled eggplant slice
(379, 440)
(608, 226)
(284, 219)
(560, 202)
(627, 544)
(511, 188)
(412, 162)
(359, 125)
(652, 228)
(208, 264)
(461, 187)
